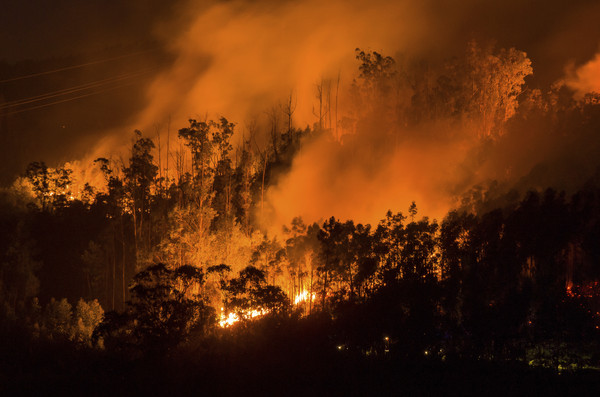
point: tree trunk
(114, 269)
(337, 90)
(124, 254)
(310, 297)
(262, 190)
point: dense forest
(171, 266)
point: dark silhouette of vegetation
(192, 283)
(166, 307)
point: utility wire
(75, 66)
(69, 99)
(74, 89)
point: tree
(166, 307)
(418, 259)
(242, 200)
(377, 93)
(51, 186)
(302, 250)
(249, 292)
(61, 187)
(412, 210)
(223, 180)
(376, 71)
(38, 175)
(389, 240)
(480, 89)
(198, 139)
(56, 319)
(364, 261)
(211, 184)
(18, 279)
(139, 177)
(456, 249)
(86, 317)
(113, 203)
(268, 256)
(336, 260)
(296, 253)
(492, 84)
(94, 263)
(289, 107)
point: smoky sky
(38, 29)
(240, 58)
(39, 36)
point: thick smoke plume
(586, 78)
(239, 59)
(361, 181)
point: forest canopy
(190, 240)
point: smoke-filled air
(268, 66)
(367, 195)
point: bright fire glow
(228, 319)
(231, 318)
(303, 297)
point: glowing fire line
(303, 297)
(228, 319)
(231, 318)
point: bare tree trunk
(311, 291)
(168, 150)
(329, 101)
(179, 166)
(324, 290)
(262, 187)
(337, 90)
(149, 228)
(135, 232)
(114, 271)
(123, 260)
(274, 118)
(201, 191)
(262, 190)
(160, 186)
(228, 197)
(320, 98)
(289, 109)
(141, 232)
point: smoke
(360, 181)
(585, 79)
(240, 58)
(37, 29)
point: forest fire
(354, 197)
(304, 296)
(229, 319)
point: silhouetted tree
(250, 292)
(140, 175)
(166, 306)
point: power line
(69, 99)
(74, 89)
(75, 66)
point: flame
(303, 297)
(232, 318)
(228, 319)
